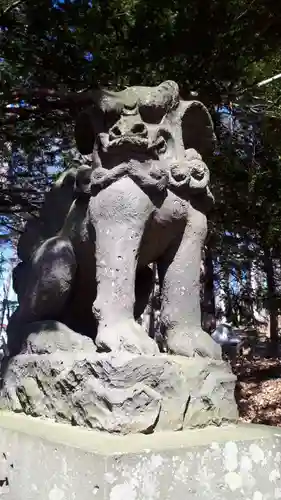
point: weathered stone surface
(121, 393)
(47, 337)
(50, 461)
(141, 199)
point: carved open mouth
(128, 141)
(159, 146)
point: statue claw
(126, 336)
(193, 344)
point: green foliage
(206, 46)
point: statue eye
(151, 114)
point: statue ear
(86, 128)
(197, 127)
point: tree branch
(46, 100)
(244, 12)
(268, 80)
(51, 95)
(15, 115)
(12, 6)
(12, 228)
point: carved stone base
(120, 393)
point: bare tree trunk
(228, 313)
(247, 295)
(272, 304)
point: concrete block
(43, 460)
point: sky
(9, 253)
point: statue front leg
(179, 273)
(119, 215)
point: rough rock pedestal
(118, 393)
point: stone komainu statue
(143, 199)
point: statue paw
(193, 343)
(126, 336)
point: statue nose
(136, 129)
